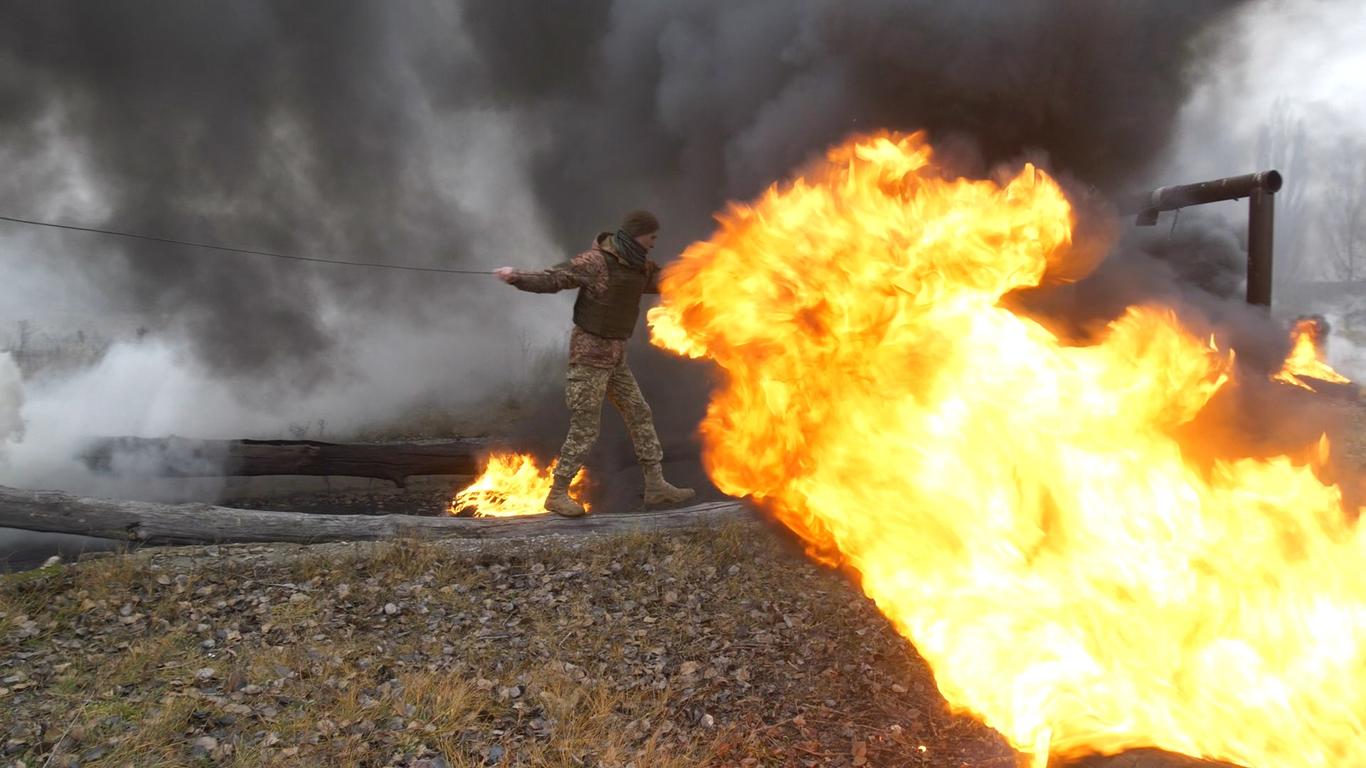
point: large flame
(1019, 507)
(513, 484)
(1306, 357)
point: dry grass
(718, 647)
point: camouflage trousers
(585, 388)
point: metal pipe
(1261, 214)
(1259, 188)
(1185, 195)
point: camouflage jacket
(586, 272)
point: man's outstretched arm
(579, 272)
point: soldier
(610, 276)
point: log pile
(182, 457)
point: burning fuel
(513, 484)
(1306, 357)
(1020, 507)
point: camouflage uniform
(597, 365)
(584, 390)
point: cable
(156, 239)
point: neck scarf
(630, 251)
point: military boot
(658, 491)
(559, 502)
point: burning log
(1147, 758)
(1331, 390)
(182, 457)
(1307, 367)
(149, 523)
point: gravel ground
(709, 647)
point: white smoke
(485, 346)
(1346, 349)
(11, 402)
(1286, 91)
(152, 388)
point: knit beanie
(639, 223)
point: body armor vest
(613, 314)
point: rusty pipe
(1259, 188)
(1185, 195)
(1261, 215)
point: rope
(273, 254)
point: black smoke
(682, 106)
(305, 127)
(299, 126)
(283, 126)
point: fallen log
(1349, 391)
(1146, 758)
(149, 523)
(183, 457)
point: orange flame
(1306, 358)
(1020, 508)
(513, 484)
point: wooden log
(1349, 391)
(1146, 758)
(149, 523)
(182, 457)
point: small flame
(1306, 357)
(513, 484)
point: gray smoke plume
(306, 127)
(295, 127)
(682, 106)
(412, 133)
